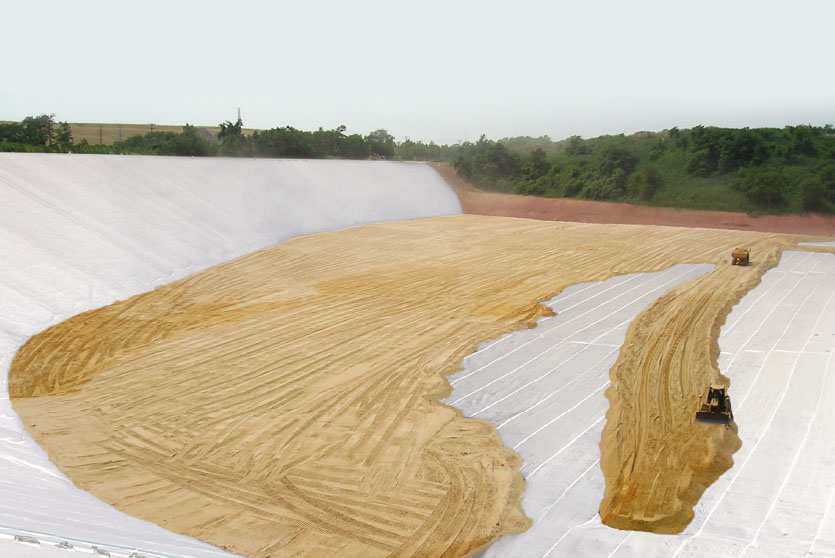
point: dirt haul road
(284, 404)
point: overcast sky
(428, 70)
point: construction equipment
(740, 256)
(716, 407)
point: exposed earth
(479, 202)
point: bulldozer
(740, 256)
(716, 407)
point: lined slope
(82, 231)
(278, 404)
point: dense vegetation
(43, 134)
(35, 133)
(763, 170)
(755, 170)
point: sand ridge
(284, 403)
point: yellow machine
(740, 256)
(716, 407)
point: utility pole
(100, 140)
(239, 114)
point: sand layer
(283, 404)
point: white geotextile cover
(544, 388)
(78, 232)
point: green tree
(284, 142)
(232, 141)
(190, 142)
(739, 148)
(381, 143)
(644, 183)
(613, 158)
(576, 146)
(328, 143)
(464, 165)
(63, 136)
(813, 195)
(817, 193)
(11, 132)
(802, 141)
(38, 130)
(227, 129)
(764, 186)
(355, 147)
(539, 162)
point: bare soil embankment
(284, 404)
(479, 202)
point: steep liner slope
(82, 231)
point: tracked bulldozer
(740, 256)
(716, 407)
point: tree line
(758, 170)
(43, 134)
(35, 133)
(762, 170)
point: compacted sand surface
(284, 403)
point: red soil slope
(478, 202)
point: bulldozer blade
(716, 417)
(712, 418)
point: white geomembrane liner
(78, 232)
(544, 388)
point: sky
(445, 71)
